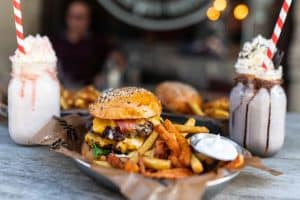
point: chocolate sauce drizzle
(269, 124)
(236, 109)
(246, 120)
(258, 83)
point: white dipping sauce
(217, 148)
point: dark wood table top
(37, 173)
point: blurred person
(82, 53)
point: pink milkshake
(258, 102)
(33, 92)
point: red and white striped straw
(277, 31)
(19, 25)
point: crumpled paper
(65, 136)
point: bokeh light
(213, 14)
(241, 11)
(220, 5)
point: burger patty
(124, 146)
(113, 134)
(118, 134)
(118, 130)
(144, 129)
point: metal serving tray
(213, 187)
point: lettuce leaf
(98, 152)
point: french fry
(222, 103)
(191, 129)
(221, 114)
(130, 144)
(190, 122)
(175, 173)
(185, 154)
(196, 108)
(80, 99)
(172, 144)
(155, 120)
(161, 149)
(148, 143)
(217, 113)
(145, 147)
(141, 164)
(196, 165)
(115, 161)
(169, 138)
(236, 164)
(131, 166)
(90, 138)
(149, 153)
(80, 103)
(175, 161)
(134, 156)
(205, 159)
(102, 163)
(157, 164)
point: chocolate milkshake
(258, 102)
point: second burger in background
(180, 98)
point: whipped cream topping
(38, 50)
(217, 148)
(251, 58)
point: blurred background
(144, 42)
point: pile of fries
(166, 153)
(218, 108)
(78, 100)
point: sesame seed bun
(126, 103)
(176, 95)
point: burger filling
(122, 136)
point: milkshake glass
(33, 91)
(257, 102)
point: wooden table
(36, 173)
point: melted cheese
(130, 144)
(99, 125)
(154, 120)
(94, 139)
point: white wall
(31, 15)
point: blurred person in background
(82, 53)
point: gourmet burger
(122, 120)
(122, 136)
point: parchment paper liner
(133, 186)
